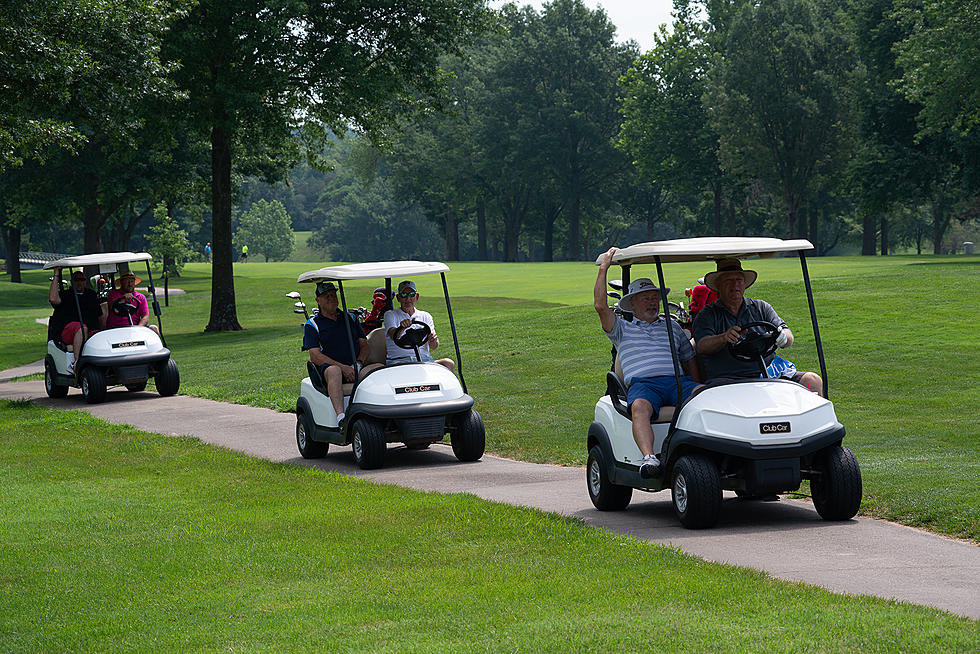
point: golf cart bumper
(744, 450)
(415, 410)
(128, 368)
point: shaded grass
(118, 540)
(898, 334)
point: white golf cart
(127, 356)
(757, 436)
(414, 403)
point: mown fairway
(114, 540)
(898, 333)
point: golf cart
(757, 437)
(415, 403)
(127, 356)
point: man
(325, 337)
(398, 320)
(207, 252)
(644, 352)
(123, 296)
(720, 324)
(64, 323)
(244, 254)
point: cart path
(786, 539)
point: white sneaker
(649, 466)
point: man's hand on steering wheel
(413, 336)
(754, 344)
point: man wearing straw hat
(721, 324)
(125, 305)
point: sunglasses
(408, 294)
(78, 279)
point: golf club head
(293, 295)
(300, 305)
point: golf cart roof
(705, 249)
(373, 270)
(98, 259)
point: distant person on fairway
(244, 257)
(207, 252)
(326, 338)
(64, 323)
(721, 324)
(644, 353)
(400, 319)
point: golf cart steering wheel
(755, 344)
(122, 307)
(413, 337)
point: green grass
(115, 540)
(301, 251)
(898, 333)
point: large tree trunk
(940, 221)
(511, 235)
(869, 238)
(551, 213)
(452, 235)
(574, 248)
(731, 218)
(224, 315)
(11, 241)
(481, 230)
(884, 236)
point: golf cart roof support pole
(156, 305)
(350, 334)
(816, 330)
(626, 279)
(452, 326)
(673, 347)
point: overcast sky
(634, 19)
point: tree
(260, 71)
(168, 242)
(267, 229)
(777, 96)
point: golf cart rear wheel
(837, 489)
(368, 443)
(93, 384)
(605, 495)
(168, 379)
(696, 491)
(52, 388)
(470, 439)
(308, 448)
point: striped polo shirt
(644, 350)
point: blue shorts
(659, 391)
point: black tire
(93, 384)
(837, 490)
(368, 443)
(168, 379)
(308, 448)
(605, 495)
(136, 388)
(696, 491)
(52, 388)
(469, 438)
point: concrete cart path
(787, 538)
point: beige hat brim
(709, 279)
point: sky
(634, 19)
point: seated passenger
(400, 319)
(125, 306)
(64, 323)
(720, 324)
(325, 337)
(644, 352)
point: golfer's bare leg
(642, 412)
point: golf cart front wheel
(52, 388)
(696, 491)
(837, 490)
(168, 379)
(93, 384)
(308, 448)
(368, 443)
(470, 439)
(605, 495)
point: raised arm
(606, 315)
(54, 293)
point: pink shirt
(114, 320)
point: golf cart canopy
(705, 249)
(98, 259)
(373, 270)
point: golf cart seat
(376, 354)
(616, 389)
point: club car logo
(774, 428)
(129, 344)
(419, 388)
